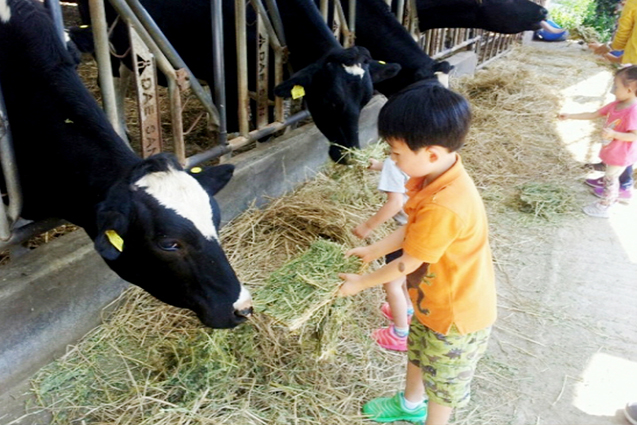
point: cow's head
(510, 16)
(157, 229)
(336, 88)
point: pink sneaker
(624, 194)
(386, 311)
(387, 338)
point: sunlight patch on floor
(577, 135)
(607, 384)
(622, 220)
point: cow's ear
(110, 240)
(381, 71)
(296, 85)
(112, 222)
(444, 67)
(213, 179)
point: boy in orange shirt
(446, 256)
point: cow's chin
(215, 321)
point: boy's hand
(351, 286)
(362, 230)
(562, 116)
(362, 252)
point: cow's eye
(169, 245)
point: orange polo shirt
(448, 230)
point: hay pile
(153, 364)
(513, 141)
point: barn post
(324, 9)
(242, 67)
(162, 43)
(10, 213)
(103, 55)
(275, 17)
(56, 13)
(218, 64)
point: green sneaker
(390, 409)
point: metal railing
(437, 43)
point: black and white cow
(502, 16)
(152, 222)
(337, 82)
(386, 39)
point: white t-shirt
(392, 179)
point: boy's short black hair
(426, 114)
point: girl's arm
(610, 134)
(398, 268)
(580, 116)
(392, 207)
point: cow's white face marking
(244, 301)
(5, 11)
(443, 78)
(356, 70)
(180, 192)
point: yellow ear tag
(382, 62)
(83, 26)
(68, 121)
(115, 239)
(196, 170)
(298, 91)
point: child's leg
(397, 302)
(410, 308)
(437, 414)
(611, 184)
(414, 386)
(447, 364)
(626, 179)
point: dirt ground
(564, 349)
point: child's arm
(375, 164)
(392, 207)
(610, 134)
(580, 116)
(398, 268)
(384, 246)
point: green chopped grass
(307, 284)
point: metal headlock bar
(438, 43)
(8, 213)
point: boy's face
(414, 164)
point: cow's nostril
(544, 12)
(246, 312)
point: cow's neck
(447, 14)
(379, 31)
(307, 36)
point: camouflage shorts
(447, 362)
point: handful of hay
(304, 286)
(545, 200)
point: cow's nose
(243, 306)
(246, 312)
(544, 13)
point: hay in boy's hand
(307, 284)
